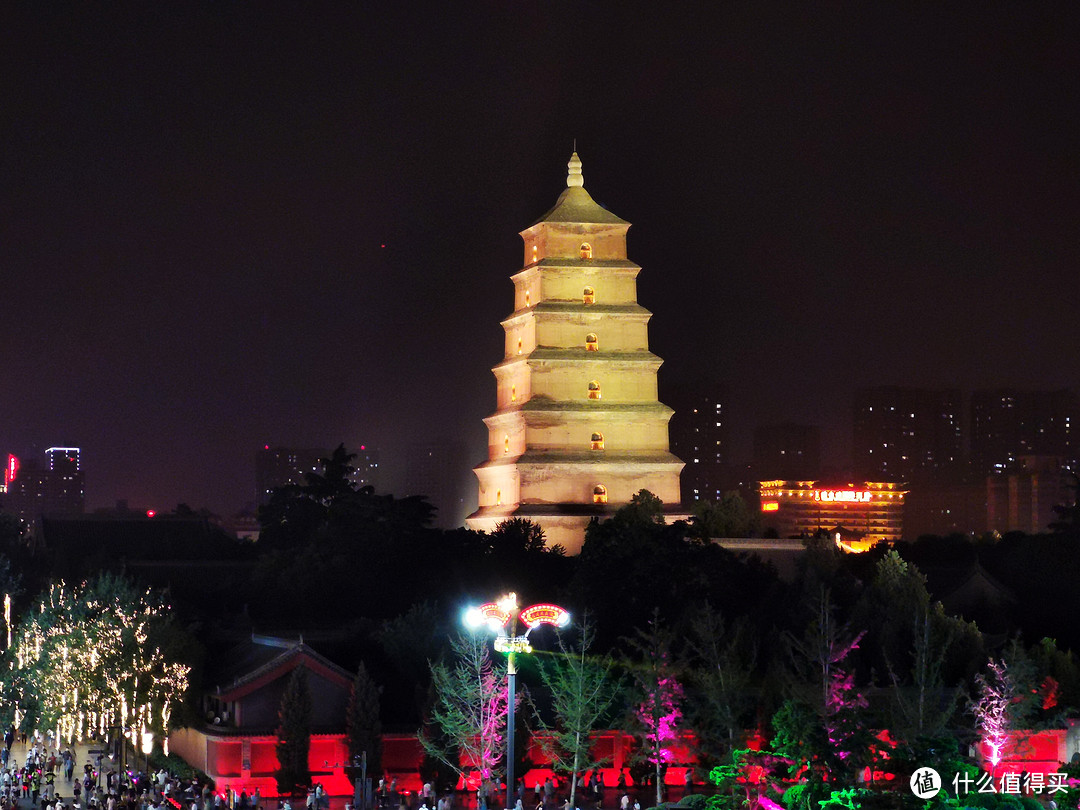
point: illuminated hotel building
(869, 513)
(578, 429)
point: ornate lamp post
(502, 618)
(147, 748)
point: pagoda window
(589, 295)
(597, 442)
(519, 345)
(527, 299)
(534, 253)
(594, 390)
(586, 250)
(591, 344)
(599, 494)
(498, 497)
(506, 443)
(513, 393)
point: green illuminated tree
(583, 689)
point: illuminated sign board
(10, 470)
(843, 495)
(544, 614)
(770, 506)
(515, 644)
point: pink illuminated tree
(658, 708)
(992, 709)
(469, 715)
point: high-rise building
(440, 472)
(578, 429)
(1023, 498)
(906, 434)
(787, 450)
(699, 436)
(286, 466)
(56, 487)
(1007, 423)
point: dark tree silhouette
(294, 736)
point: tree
(469, 712)
(727, 517)
(724, 660)
(924, 705)
(659, 696)
(583, 689)
(363, 729)
(518, 537)
(97, 656)
(991, 710)
(819, 661)
(294, 736)
(884, 609)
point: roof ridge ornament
(574, 177)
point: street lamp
(147, 747)
(502, 618)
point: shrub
(695, 801)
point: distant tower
(579, 429)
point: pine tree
(362, 725)
(294, 736)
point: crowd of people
(46, 779)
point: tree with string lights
(88, 659)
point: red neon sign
(536, 615)
(492, 611)
(10, 470)
(843, 495)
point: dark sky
(237, 223)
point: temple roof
(575, 204)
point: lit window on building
(519, 345)
(498, 497)
(513, 393)
(527, 294)
(591, 343)
(589, 295)
(586, 250)
(594, 390)
(506, 443)
(597, 441)
(599, 494)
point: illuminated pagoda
(579, 429)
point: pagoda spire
(574, 177)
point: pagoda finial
(573, 177)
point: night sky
(236, 224)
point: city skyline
(230, 227)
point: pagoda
(578, 429)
